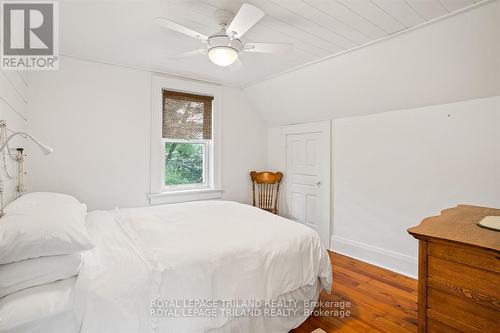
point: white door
(308, 176)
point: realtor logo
(29, 35)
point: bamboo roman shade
(186, 116)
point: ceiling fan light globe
(223, 56)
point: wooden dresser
(459, 272)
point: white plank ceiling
(124, 32)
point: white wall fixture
(43, 147)
(19, 158)
(14, 98)
(224, 46)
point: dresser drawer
(464, 281)
(436, 326)
(473, 314)
(440, 323)
(486, 260)
(460, 297)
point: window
(187, 140)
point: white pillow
(38, 308)
(36, 226)
(33, 272)
(41, 198)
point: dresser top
(459, 224)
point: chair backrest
(265, 187)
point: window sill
(169, 197)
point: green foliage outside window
(183, 163)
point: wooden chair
(265, 187)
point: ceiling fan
(224, 46)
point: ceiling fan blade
(237, 66)
(268, 47)
(246, 18)
(179, 28)
(191, 53)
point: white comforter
(192, 251)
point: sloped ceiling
(457, 58)
(123, 31)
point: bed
(196, 251)
(207, 266)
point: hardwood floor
(381, 300)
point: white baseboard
(394, 261)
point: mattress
(197, 253)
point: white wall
(276, 161)
(244, 145)
(13, 109)
(393, 169)
(97, 118)
(455, 59)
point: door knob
(318, 183)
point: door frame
(303, 128)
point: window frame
(159, 192)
